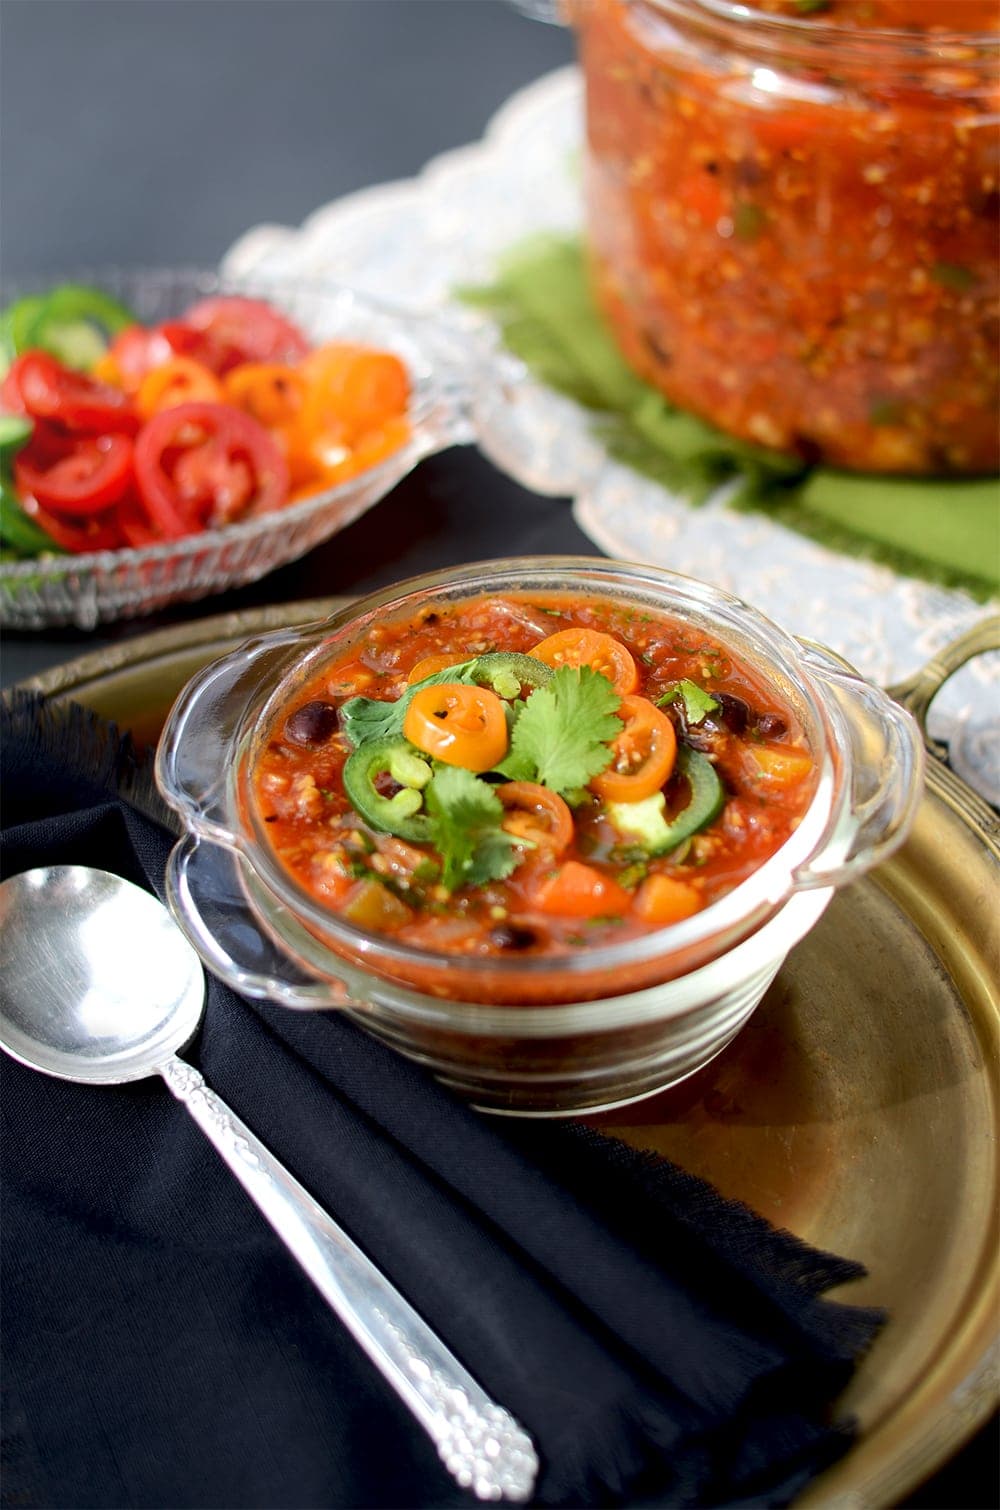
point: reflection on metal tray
(860, 1106)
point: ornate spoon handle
(479, 1442)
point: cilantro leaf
(466, 814)
(697, 702)
(366, 718)
(561, 737)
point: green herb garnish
(562, 735)
(465, 815)
(952, 275)
(748, 221)
(885, 411)
(697, 702)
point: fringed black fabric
(664, 1346)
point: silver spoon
(101, 987)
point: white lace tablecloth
(414, 242)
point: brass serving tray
(861, 1105)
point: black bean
(770, 726)
(508, 936)
(312, 724)
(733, 713)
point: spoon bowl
(100, 986)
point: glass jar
(793, 222)
(529, 1033)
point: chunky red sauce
(572, 872)
(800, 243)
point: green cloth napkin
(944, 530)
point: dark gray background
(154, 132)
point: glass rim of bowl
(727, 919)
(815, 25)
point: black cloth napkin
(663, 1346)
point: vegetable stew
(530, 775)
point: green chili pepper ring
(399, 814)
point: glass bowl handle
(209, 905)
(197, 751)
(887, 777)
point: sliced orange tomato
(459, 725)
(576, 890)
(590, 647)
(430, 665)
(537, 815)
(274, 394)
(269, 391)
(354, 387)
(643, 754)
(181, 380)
(374, 447)
(662, 900)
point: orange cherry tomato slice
(354, 387)
(590, 647)
(464, 726)
(271, 393)
(367, 451)
(181, 380)
(430, 665)
(643, 754)
(576, 890)
(537, 815)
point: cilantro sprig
(563, 732)
(466, 814)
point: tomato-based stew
(792, 218)
(529, 775)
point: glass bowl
(530, 1034)
(87, 589)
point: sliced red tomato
(38, 385)
(245, 330)
(134, 522)
(80, 475)
(204, 465)
(98, 532)
(537, 815)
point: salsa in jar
(529, 775)
(792, 213)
